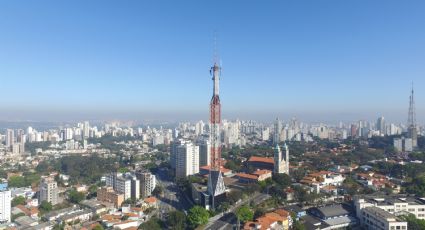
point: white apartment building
(373, 218)
(147, 183)
(126, 184)
(5, 206)
(123, 186)
(394, 204)
(48, 190)
(186, 157)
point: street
(229, 220)
(171, 199)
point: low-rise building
(259, 175)
(278, 219)
(261, 163)
(321, 179)
(396, 204)
(79, 215)
(334, 216)
(107, 194)
(374, 218)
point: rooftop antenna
(215, 48)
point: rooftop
(268, 160)
(262, 172)
(381, 213)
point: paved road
(172, 199)
(229, 221)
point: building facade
(48, 190)
(147, 183)
(186, 156)
(5, 205)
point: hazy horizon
(329, 117)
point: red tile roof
(262, 172)
(222, 169)
(268, 160)
(247, 176)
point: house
(322, 179)
(79, 215)
(278, 219)
(259, 175)
(150, 202)
(29, 211)
(297, 210)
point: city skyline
(317, 61)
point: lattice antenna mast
(411, 121)
(216, 185)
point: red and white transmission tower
(215, 179)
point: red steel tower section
(215, 121)
(215, 179)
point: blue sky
(317, 59)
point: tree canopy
(76, 197)
(197, 216)
(244, 213)
(45, 206)
(413, 223)
(18, 200)
(152, 224)
(176, 220)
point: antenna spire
(215, 48)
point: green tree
(76, 197)
(233, 165)
(16, 181)
(244, 213)
(413, 223)
(298, 226)
(18, 200)
(98, 227)
(14, 217)
(45, 206)
(123, 170)
(3, 174)
(176, 220)
(234, 195)
(223, 207)
(281, 179)
(152, 224)
(158, 190)
(197, 216)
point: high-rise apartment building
(204, 153)
(86, 129)
(48, 190)
(5, 205)
(147, 183)
(10, 138)
(277, 130)
(380, 126)
(127, 184)
(185, 158)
